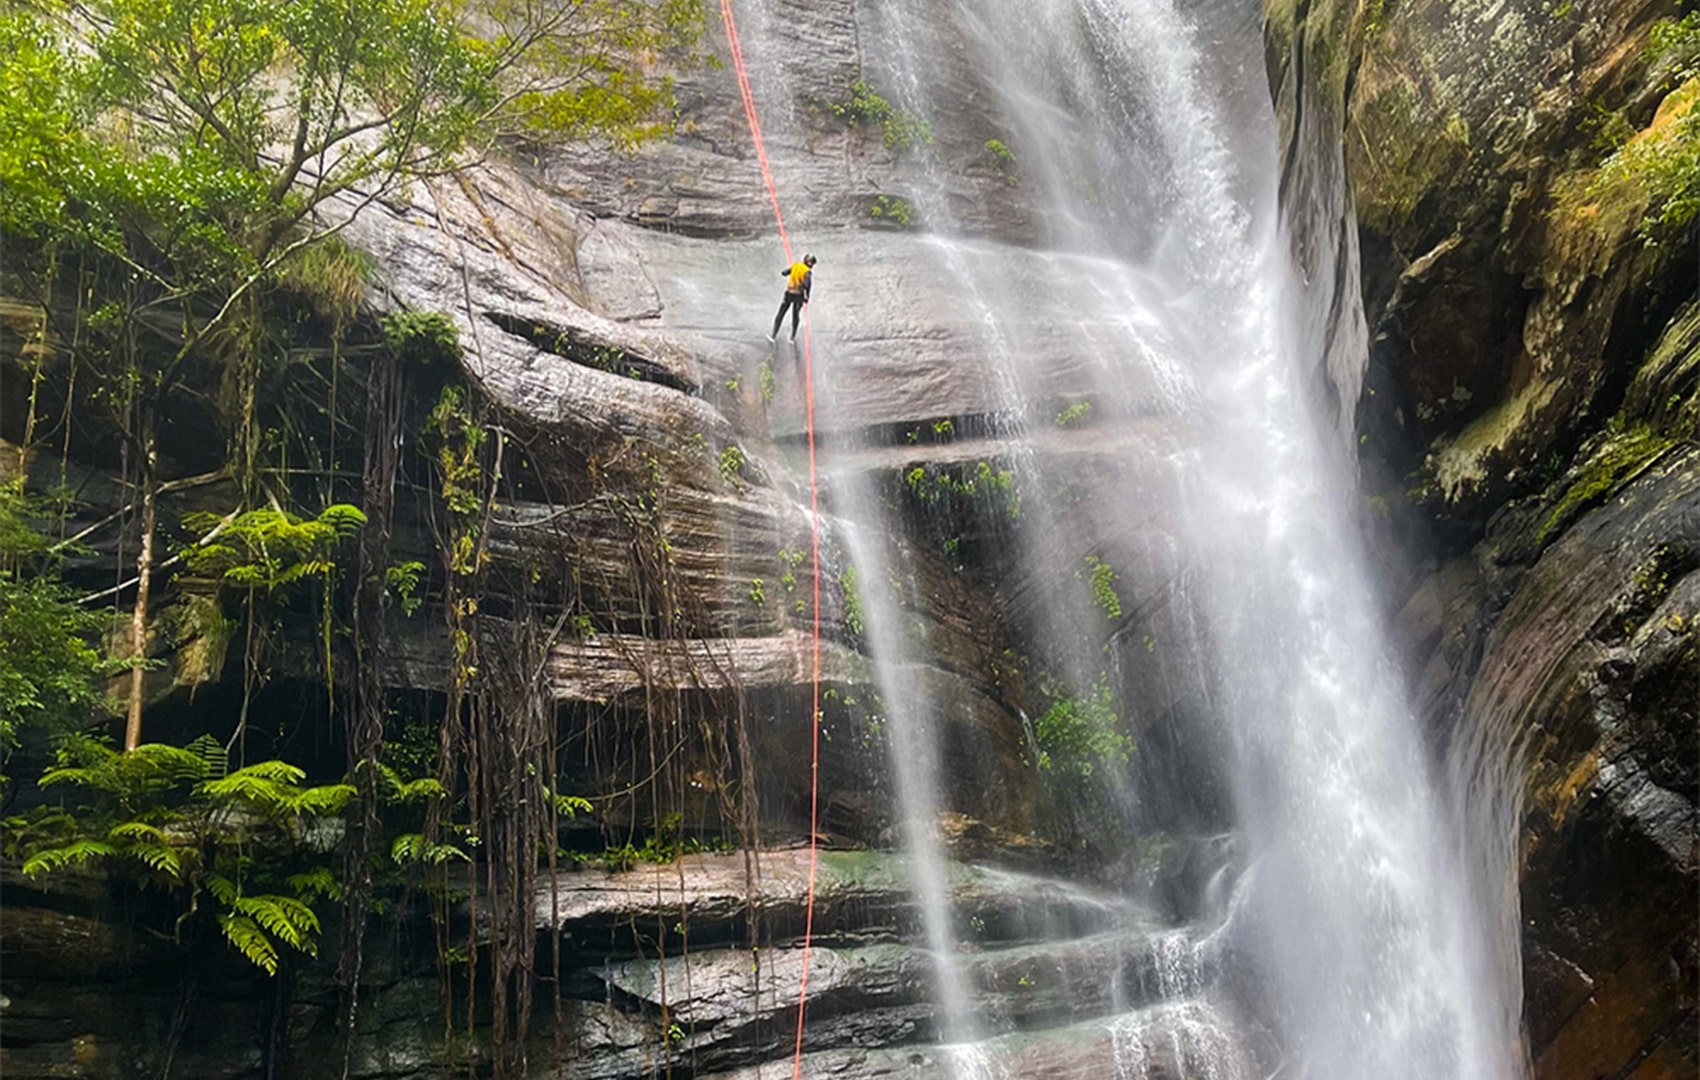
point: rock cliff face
(1528, 420)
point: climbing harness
(737, 49)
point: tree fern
(143, 773)
(223, 889)
(148, 845)
(321, 800)
(393, 789)
(268, 549)
(413, 847)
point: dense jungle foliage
(177, 176)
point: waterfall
(1154, 152)
(1354, 936)
(1361, 915)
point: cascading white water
(1361, 916)
(1163, 287)
(914, 755)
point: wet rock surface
(1041, 954)
(1586, 662)
(1509, 423)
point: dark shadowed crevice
(609, 358)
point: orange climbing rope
(737, 50)
(736, 46)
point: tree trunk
(148, 482)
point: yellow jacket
(798, 279)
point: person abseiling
(799, 278)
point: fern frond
(170, 763)
(569, 806)
(425, 787)
(325, 799)
(214, 759)
(82, 777)
(281, 772)
(407, 848)
(285, 918)
(248, 574)
(243, 786)
(73, 854)
(438, 854)
(344, 520)
(316, 882)
(160, 857)
(307, 568)
(222, 888)
(250, 941)
(137, 830)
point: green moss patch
(1622, 457)
(1404, 149)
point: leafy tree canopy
(195, 139)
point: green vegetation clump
(665, 843)
(931, 485)
(866, 107)
(732, 463)
(1004, 158)
(1082, 748)
(230, 844)
(1662, 163)
(1103, 577)
(53, 662)
(1074, 413)
(267, 549)
(893, 208)
(1078, 734)
(847, 582)
(425, 336)
(765, 380)
(1624, 453)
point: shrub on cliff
(1663, 162)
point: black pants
(794, 301)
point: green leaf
(250, 941)
(215, 760)
(407, 848)
(75, 853)
(318, 882)
(222, 888)
(568, 806)
(284, 917)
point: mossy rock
(1402, 151)
(1614, 462)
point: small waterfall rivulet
(1355, 929)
